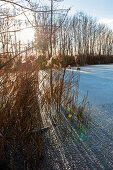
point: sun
(26, 35)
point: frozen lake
(98, 81)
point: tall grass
(20, 118)
(65, 96)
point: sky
(100, 9)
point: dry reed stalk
(19, 116)
(65, 94)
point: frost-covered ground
(95, 149)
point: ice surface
(98, 81)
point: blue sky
(101, 9)
(97, 8)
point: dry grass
(19, 117)
(83, 113)
(65, 95)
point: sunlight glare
(26, 35)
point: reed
(20, 118)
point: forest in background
(78, 36)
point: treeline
(80, 36)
